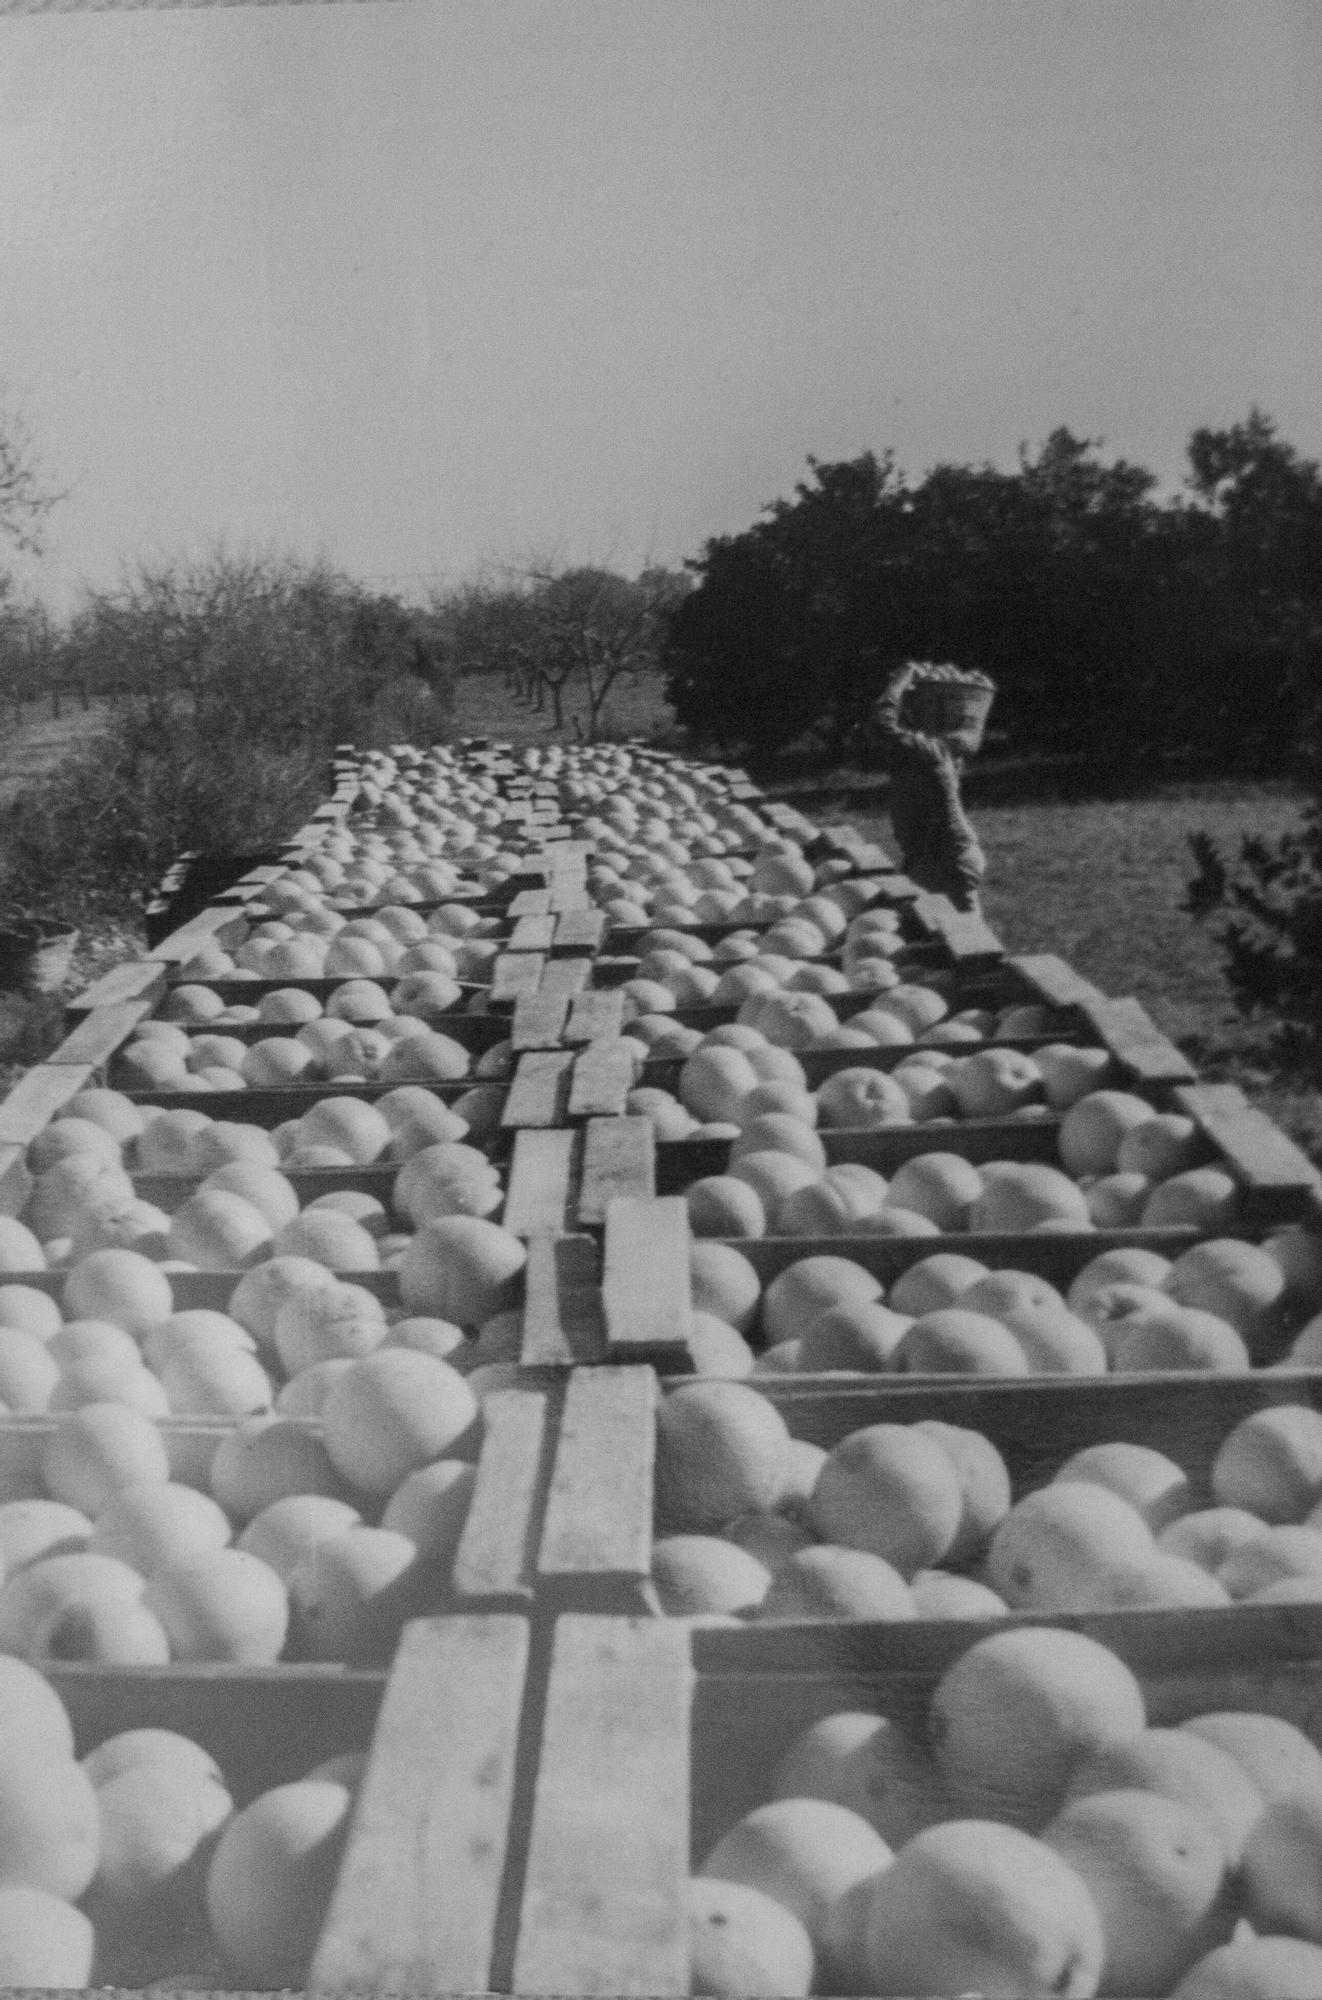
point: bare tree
(25, 500)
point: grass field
(485, 708)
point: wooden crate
(657, 1737)
(421, 1887)
(496, 1563)
(1277, 1183)
(1036, 1426)
(629, 1299)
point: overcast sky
(415, 284)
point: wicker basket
(35, 956)
(951, 706)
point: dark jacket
(938, 846)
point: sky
(419, 286)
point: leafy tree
(1130, 628)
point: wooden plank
(15, 1180)
(415, 1906)
(569, 894)
(594, 1015)
(539, 1021)
(1279, 1181)
(141, 979)
(645, 1284)
(101, 1033)
(603, 1906)
(497, 1554)
(969, 940)
(530, 903)
(532, 934)
(619, 1160)
(566, 976)
(1052, 979)
(1136, 1042)
(37, 1096)
(580, 930)
(215, 925)
(598, 1527)
(930, 911)
(541, 1175)
(515, 974)
(603, 1078)
(562, 1316)
(539, 1094)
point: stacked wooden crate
(549, 1757)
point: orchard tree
(552, 632)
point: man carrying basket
(925, 753)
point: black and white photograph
(661, 998)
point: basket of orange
(950, 702)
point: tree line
(1141, 630)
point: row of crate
(547, 1755)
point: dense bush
(1132, 629)
(236, 679)
(1265, 906)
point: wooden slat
(603, 1078)
(141, 979)
(594, 1015)
(101, 1033)
(619, 1160)
(1279, 1181)
(530, 903)
(603, 1905)
(539, 1020)
(497, 1554)
(569, 894)
(539, 1094)
(893, 887)
(580, 930)
(1054, 980)
(15, 1180)
(562, 1315)
(597, 1535)
(1136, 1042)
(646, 1289)
(37, 1096)
(930, 910)
(415, 1906)
(215, 925)
(566, 976)
(969, 940)
(515, 974)
(541, 1177)
(532, 934)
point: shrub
(239, 677)
(1266, 909)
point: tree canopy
(1112, 619)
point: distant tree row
(552, 632)
(1131, 627)
(233, 678)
